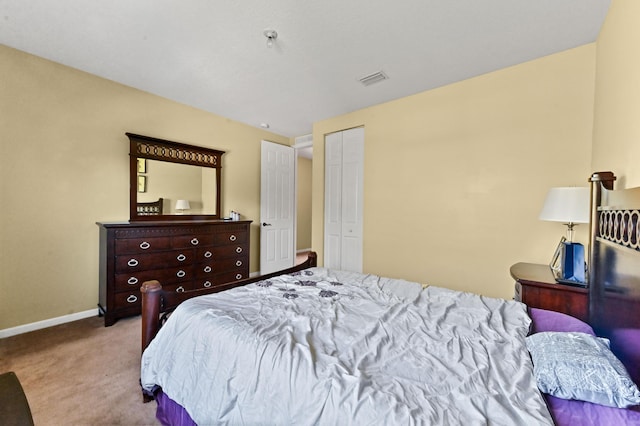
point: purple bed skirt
(564, 412)
(171, 413)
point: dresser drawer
(231, 250)
(142, 245)
(231, 264)
(133, 299)
(205, 282)
(179, 287)
(141, 262)
(219, 279)
(230, 276)
(190, 241)
(127, 299)
(214, 267)
(231, 237)
(133, 280)
(208, 236)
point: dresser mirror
(172, 180)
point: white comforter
(330, 347)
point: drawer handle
(181, 257)
(180, 289)
(132, 281)
(238, 276)
(133, 262)
(238, 262)
(232, 238)
(132, 298)
(238, 250)
(181, 274)
(195, 242)
(208, 254)
(144, 245)
(207, 284)
(207, 268)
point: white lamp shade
(566, 204)
(182, 205)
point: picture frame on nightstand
(556, 260)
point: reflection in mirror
(174, 181)
(171, 171)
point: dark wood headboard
(614, 268)
(152, 208)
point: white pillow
(573, 365)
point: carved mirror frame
(172, 152)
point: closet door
(344, 158)
(333, 200)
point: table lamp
(569, 205)
(182, 205)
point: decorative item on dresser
(536, 287)
(183, 255)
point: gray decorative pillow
(578, 366)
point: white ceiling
(212, 54)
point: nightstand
(537, 288)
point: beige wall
(616, 135)
(454, 178)
(466, 167)
(303, 214)
(64, 166)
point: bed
(151, 208)
(318, 346)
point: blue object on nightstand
(572, 262)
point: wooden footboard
(156, 302)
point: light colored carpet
(81, 373)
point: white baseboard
(8, 332)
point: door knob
(266, 224)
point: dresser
(181, 255)
(536, 287)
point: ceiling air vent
(374, 78)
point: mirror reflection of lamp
(182, 205)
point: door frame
(301, 143)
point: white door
(344, 160)
(333, 200)
(277, 207)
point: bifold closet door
(344, 160)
